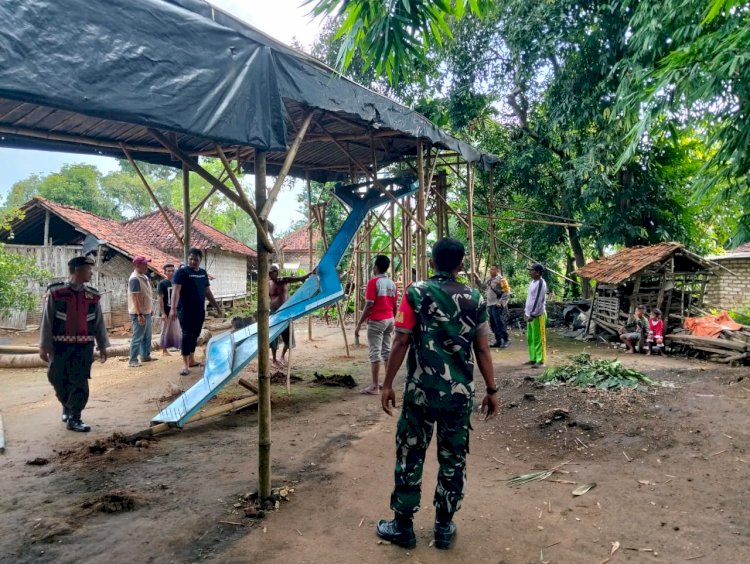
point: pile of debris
(715, 337)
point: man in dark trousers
(71, 322)
(440, 323)
(498, 294)
(190, 288)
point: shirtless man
(278, 290)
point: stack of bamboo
(729, 347)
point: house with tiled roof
(293, 250)
(226, 259)
(729, 289)
(666, 276)
(54, 233)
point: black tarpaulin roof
(87, 75)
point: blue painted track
(228, 353)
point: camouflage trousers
(413, 435)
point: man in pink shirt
(380, 308)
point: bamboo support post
(421, 235)
(472, 256)
(310, 230)
(186, 213)
(289, 360)
(264, 382)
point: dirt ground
(671, 468)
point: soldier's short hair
(382, 263)
(447, 254)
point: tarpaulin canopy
(89, 75)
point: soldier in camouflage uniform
(439, 323)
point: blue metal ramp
(227, 354)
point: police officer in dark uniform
(71, 322)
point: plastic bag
(171, 334)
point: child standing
(655, 330)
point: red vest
(75, 314)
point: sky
(284, 20)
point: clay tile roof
(298, 240)
(741, 249)
(617, 268)
(154, 229)
(112, 232)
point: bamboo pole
(421, 235)
(264, 382)
(151, 192)
(186, 213)
(371, 176)
(470, 189)
(288, 161)
(310, 228)
(240, 200)
(491, 207)
(289, 360)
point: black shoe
(64, 416)
(444, 534)
(496, 346)
(505, 345)
(78, 426)
(397, 533)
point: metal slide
(228, 353)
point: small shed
(226, 259)
(729, 288)
(665, 275)
(53, 233)
(294, 248)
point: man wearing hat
(278, 291)
(140, 308)
(71, 322)
(536, 317)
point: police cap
(80, 261)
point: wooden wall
(110, 278)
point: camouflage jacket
(444, 317)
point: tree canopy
(604, 112)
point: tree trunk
(580, 258)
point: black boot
(399, 531)
(78, 426)
(64, 416)
(445, 530)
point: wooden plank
(708, 342)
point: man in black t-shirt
(190, 288)
(164, 292)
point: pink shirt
(382, 292)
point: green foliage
(583, 371)
(688, 67)
(385, 35)
(17, 274)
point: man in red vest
(71, 322)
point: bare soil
(671, 467)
